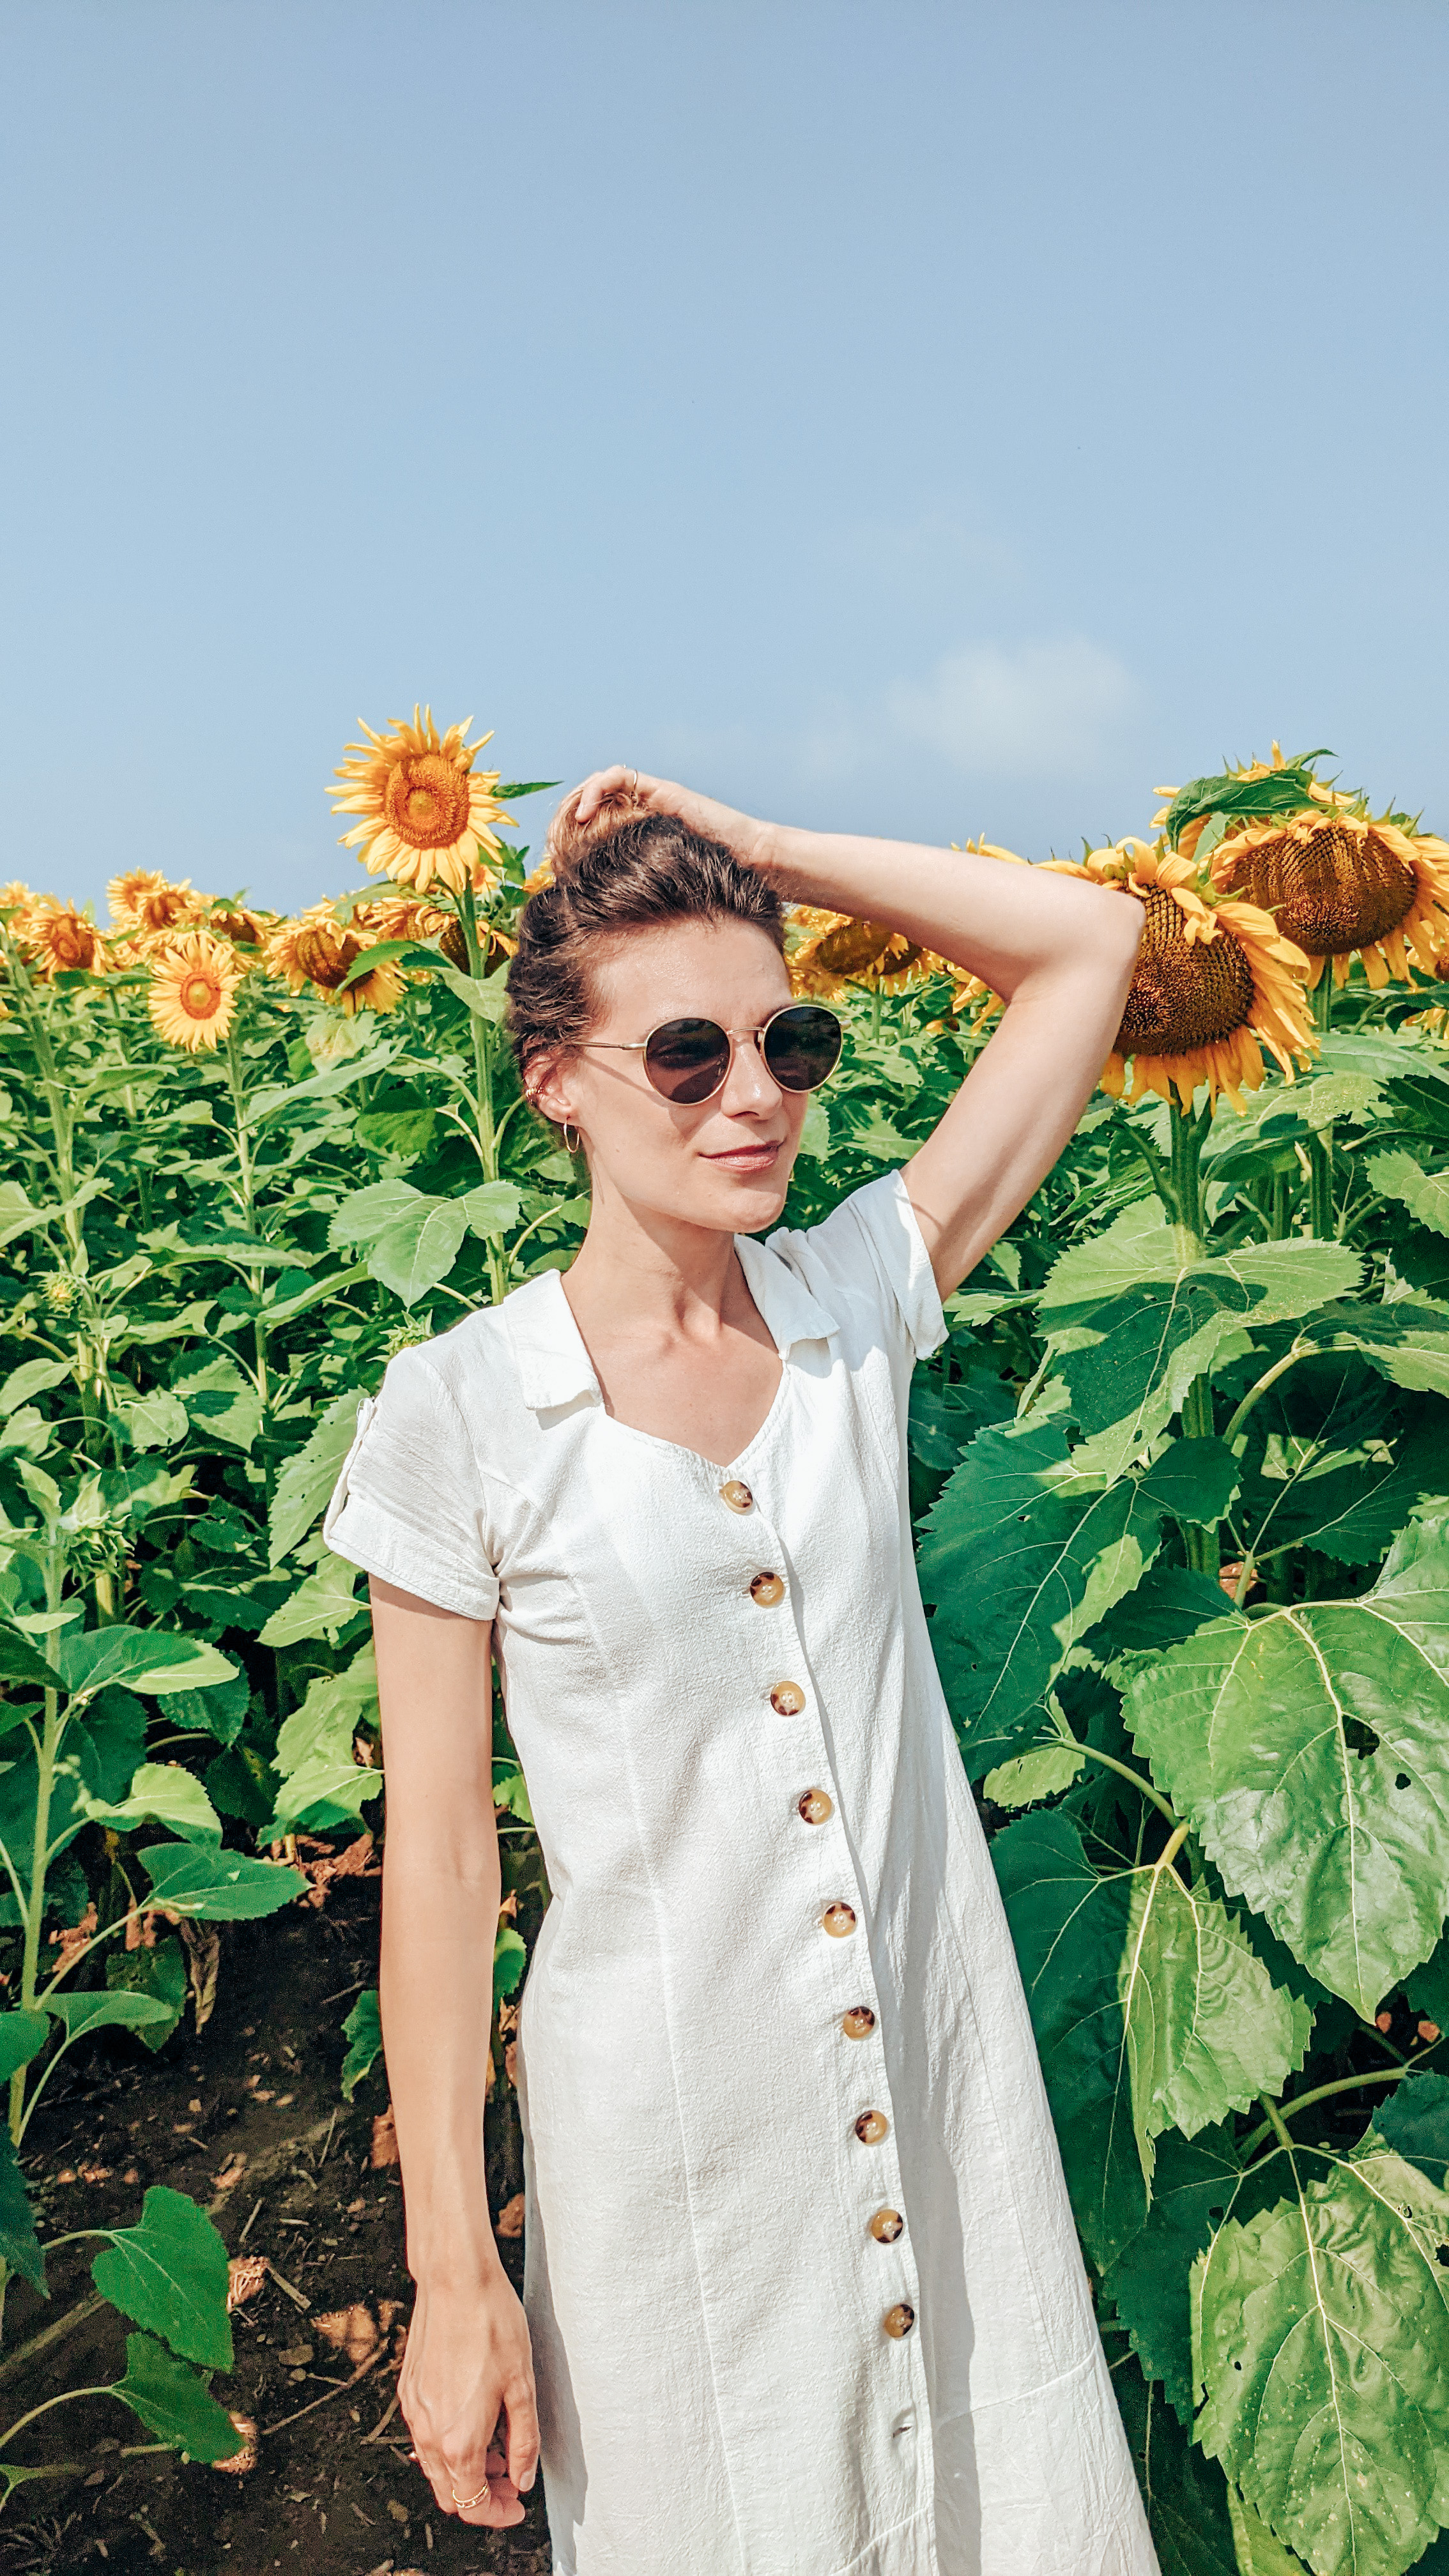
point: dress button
(738, 1496)
(859, 2022)
(871, 2127)
(898, 2321)
(886, 2226)
(767, 1589)
(816, 1808)
(838, 1919)
(787, 1699)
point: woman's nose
(751, 1085)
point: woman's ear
(548, 1089)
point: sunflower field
(1181, 1485)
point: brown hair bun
(570, 842)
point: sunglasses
(688, 1061)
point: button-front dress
(801, 2276)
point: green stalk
(1321, 2092)
(47, 1754)
(1189, 1134)
(496, 1257)
(246, 1174)
(1322, 1220)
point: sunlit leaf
(169, 2274)
(217, 1886)
(307, 1479)
(363, 2032)
(320, 1607)
(162, 1793)
(154, 1660)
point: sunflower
(318, 949)
(194, 982)
(1343, 885)
(838, 951)
(59, 940)
(243, 928)
(145, 903)
(15, 902)
(1214, 982)
(426, 813)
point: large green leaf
(103, 2010)
(1060, 1550)
(363, 2031)
(1407, 1341)
(1132, 1320)
(1413, 2119)
(169, 2274)
(22, 2036)
(155, 1660)
(321, 1783)
(221, 1403)
(420, 1249)
(162, 1793)
(1185, 2495)
(22, 1661)
(367, 1213)
(1143, 1992)
(217, 1886)
(173, 2403)
(154, 1421)
(307, 1479)
(1310, 1747)
(1259, 2551)
(493, 1209)
(1397, 1175)
(1194, 2189)
(33, 1377)
(1321, 2357)
(1346, 1500)
(321, 1606)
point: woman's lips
(747, 1158)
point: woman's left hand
(631, 788)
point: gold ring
(465, 2504)
(633, 782)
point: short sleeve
(409, 1505)
(872, 1247)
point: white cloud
(1010, 710)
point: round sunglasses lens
(687, 1060)
(802, 1047)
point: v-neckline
(681, 1448)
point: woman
(802, 2293)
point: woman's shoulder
(867, 1261)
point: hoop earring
(573, 1141)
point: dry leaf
(384, 2140)
(510, 2061)
(245, 2274)
(351, 2330)
(509, 2221)
(202, 1944)
(140, 1930)
(231, 2173)
(74, 1941)
(355, 1862)
(246, 2457)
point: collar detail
(554, 1367)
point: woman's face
(724, 1163)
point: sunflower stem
(1322, 1221)
(237, 1082)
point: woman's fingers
(522, 2415)
(603, 787)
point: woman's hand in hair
(619, 795)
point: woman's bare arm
(1059, 952)
(467, 2353)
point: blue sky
(927, 419)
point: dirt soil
(334, 2491)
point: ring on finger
(633, 782)
(465, 2504)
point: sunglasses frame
(641, 1046)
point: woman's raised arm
(1058, 951)
(468, 2357)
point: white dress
(688, 1653)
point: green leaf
(1168, 1605)
(363, 2031)
(305, 1483)
(419, 1250)
(173, 2403)
(1413, 2119)
(155, 1660)
(1284, 790)
(1185, 2495)
(322, 1086)
(1347, 1503)
(19, 2245)
(1321, 2354)
(221, 1403)
(1143, 1992)
(1407, 1341)
(492, 1210)
(1258, 2552)
(17, 1214)
(510, 1793)
(84, 2013)
(1061, 1551)
(217, 1886)
(368, 1213)
(516, 787)
(1126, 1313)
(22, 2036)
(398, 1122)
(220, 1711)
(1193, 2191)
(1033, 1776)
(1194, 1480)
(169, 2274)
(20, 1661)
(320, 1607)
(31, 1378)
(154, 1976)
(1396, 1175)
(510, 1958)
(161, 1793)
(321, 1783)
(1310, 1747)
(154, 1421)
(486, 1001)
